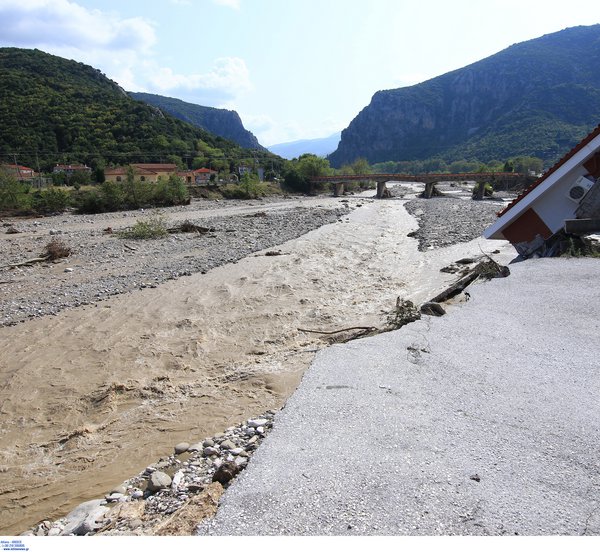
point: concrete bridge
(500, 180)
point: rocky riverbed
(101, 264)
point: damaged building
(564, 202)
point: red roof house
(569, 190)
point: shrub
(56, 249)
(171, 192)
(51, 200)
(488, 189)
(89, 202)
(113, 196)
(248, 188)
(13, 194)
(150, 228)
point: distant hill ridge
(538, 98)
(222, 122)
(317, 146)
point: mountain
(317, 146)
(536, 98)
(55, 110)
(222, 122)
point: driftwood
(485, 269)
(363, 328)
(27, 262)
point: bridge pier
(429, 190)
(338, 189)
(382, 190)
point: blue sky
(292, 69)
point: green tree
(361, 166)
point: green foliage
(70, 112)
(248, 188)
(51, 200)
(488, 189)
(147, 229)
(221, 122)
(13, 194)
(299, 171)
(172, 191)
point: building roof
(72, 167)
(17, 168)
(156, 167)
(552, 170)
(120, 171)
(204, 171)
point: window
(118, 179)
(143, 178)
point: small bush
(248, 188)
(13, 194)
(148, 229)
(56, 249)
(488, 189)
(171, 192)
(89, 202)
(51, 200)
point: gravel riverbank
(102, 265)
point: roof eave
(494, 231)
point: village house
(202, 176)
(70, 170)
(20, 172)
(565, 198)
(145, 172)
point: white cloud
(226, 80)
(66, 24)
(121, 47)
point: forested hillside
(221, 122)
(537, 98)
(54, 110)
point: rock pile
(152, 501)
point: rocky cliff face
(222, 122)
(534, 98)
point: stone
(121, 489)
(54, 532)
(208, 443)
(137, 494)
(158, 480)
(258, 422)
(227, 444)
(226, 472)
(236, 451)
(196, 447)
(85, 518)
(180, 448)
(68, 269)
(114, 497)
(210, 451)
(135, 523)
(241, 461)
